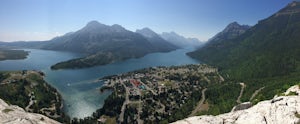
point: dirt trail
(31, 102)
(199, 103)
(241, 93)
(256, 92)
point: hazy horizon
(34, 20)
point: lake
(78, 88)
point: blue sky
(29, 20)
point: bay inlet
(79, 87)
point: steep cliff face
(11, 114)
(279, 110)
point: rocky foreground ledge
(11, 114)
(279, 110)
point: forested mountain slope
(268, 49)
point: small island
(85, 62)
(8, 54)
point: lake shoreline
(76, 85)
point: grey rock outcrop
(279, 110)
(11, 114)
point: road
(121, 117)
(147, 88)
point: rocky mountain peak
(94, 25)
(118, 28)
(231, 31)
(146, 32)
(171, 33)
(235, 26)
(294, 3)
(291, 8)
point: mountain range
(105, 44)
(157, 41)
(180, 41)
(96, 37)
(269, 48)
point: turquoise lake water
(78, 88)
